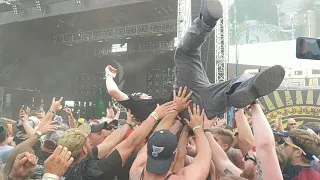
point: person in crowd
(189, 71)
(156, 159)
(236, 157)
(108, 158)
(281, 157)
(291, 124)
(224, 137)
(57, 164)
(300, 148)
(98, 133)
(5, 149)
(49, 144)
(20, 164)
(72, 120)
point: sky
(269, 54)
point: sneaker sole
(265, 83)
(213, 7)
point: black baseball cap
(98, 127)
(162, 146)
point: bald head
(291, 123)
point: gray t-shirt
(5, 152)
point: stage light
(78, 1)
(38, 6)
(15, 9)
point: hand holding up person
(58, 162)
(181, 100)
(207, 124)
(24, 166)
(165, 109)
(196, 118)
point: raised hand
(110, 112)
(165, 109)
(207, 124)
(111, 71)
(56, 105)
(45, 128)
(129, 117)
(58, 162)
(23, 115)
(181, 100)
(23, 166)
(196, 117)
(68, 111)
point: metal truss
(136, 48)
(183, 18)
(222, 45)
(118, 32)
(28, 10)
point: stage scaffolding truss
(117, 32)
(222, 45)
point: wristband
(49, 176)
(196, 127)
(52, 112)
(155, 116)
(108, 74)
(38, 134)
(131, 125)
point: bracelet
(109, 75)
(38, 134)
(49, 176)
(131, 125)
(155, 116)
(196, 127)
(52, 112)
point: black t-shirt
(125, 172)
(96, 169)
(142, 108)
(292, 172)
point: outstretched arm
(245, 137)
(182, 150)
(112, 87)
(264, 141)
(199, 169)
(114, 139)
(127, 146)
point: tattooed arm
(220, 158)
(138, 164)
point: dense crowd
(179, 137)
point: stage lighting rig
(15, 9)
(38, 6)
(8, 1)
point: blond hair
(282, 158)
(225, 133)
(309, 141)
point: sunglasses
(247, 157)
(280, 141)
(49, 144)
(286, 143)
(111, 128)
